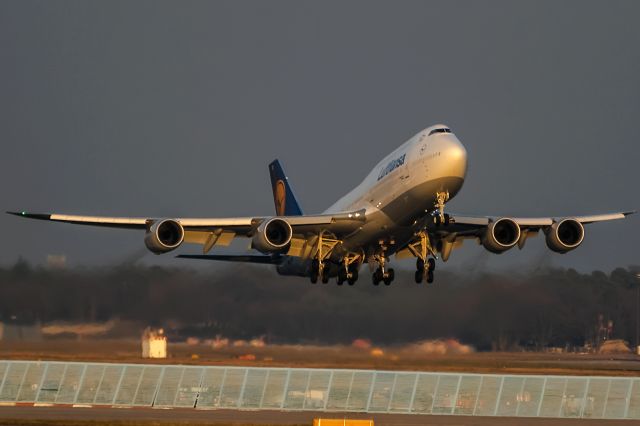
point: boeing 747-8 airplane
(399, 208)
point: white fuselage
(400, 192)
(403, 185)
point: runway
(212, 417)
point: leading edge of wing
(538, 221)
(113, 222)
(139, 222)
(247, 258)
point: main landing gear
(349, 271)
(318, 265)
(382, 273)
(319, 268)
(425, 270)
(425, 265)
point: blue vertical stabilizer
(285, 201)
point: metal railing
(336, 390)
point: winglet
(285, 202)
(40, 216)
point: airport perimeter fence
(256, 388)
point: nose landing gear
(441, 218)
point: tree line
(490, 310)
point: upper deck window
(441, 130)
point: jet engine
(272, 236)
(164, 235)
(501, 235)
(565, 235)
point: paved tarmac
(212, 417)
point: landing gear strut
(441, 218)
(325, 247)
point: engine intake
(565, 235)
(501, 235)
(273, 236)
(164, 236)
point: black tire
(419, 277)
(420, 264)
(392, 274)
(387, 278)
(354, 277)
(314, 278)
(342, 276)
(446, 219)
(325, 277)
(431, 264)
(375, 278)
(429, 277)
(355, 274)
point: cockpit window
(442, 130)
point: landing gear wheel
(315, 271)
(419, 276)
(342, 277)
(354, 277)
(420, 264)
(431, 264)
(429, 277)
(388, 276)
(376, 277)
(325, 277)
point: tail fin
(285, 201)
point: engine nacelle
(272, 236)
(164, 235)
(565, 235)
(501, 235)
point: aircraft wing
(461, 227)
(220, 231)
(532, 223)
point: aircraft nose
(456, 155)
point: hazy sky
(175, 109)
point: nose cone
(455, 156)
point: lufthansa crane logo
(281, 197)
